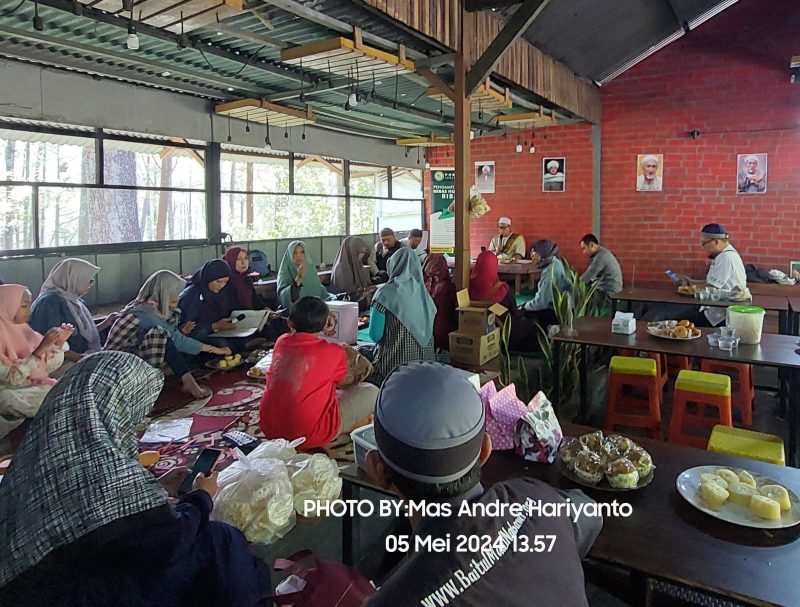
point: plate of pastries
(688, 290)
(739, 496)
(674, 329)
(611, 463)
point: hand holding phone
(204, 464)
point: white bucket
(748, 322)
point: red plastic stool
(743, 392)
(639, 372)
(702, 389)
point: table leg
(613, 306)
(556, 375)
(794, 417)
(351, 526)
(583, 407)
(784, 327)
(517, 284)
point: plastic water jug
(748, 322)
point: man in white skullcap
(507, 245)
(752, 179)
(553, 177)
(430, 449)
(649, 181)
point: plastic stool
(661, 363)
(743, 392)
(703, 389)
(747, 443)
(640, 372)
(679, 363)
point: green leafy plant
(575, 302)
(512, 368)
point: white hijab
(66, 278)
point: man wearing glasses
(726, 271)
(507, 245)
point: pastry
(588, 467)
(641, 460)
(713, 495)
(570, 450)
(777, 493)
(696, 332)
(741, 493)
(684, 323)
(593, 441)
(680, 332)
(622, 474)
(765, 507)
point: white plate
(688, 484)
(653, 329)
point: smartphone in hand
(204, 464)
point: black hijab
(215, 306)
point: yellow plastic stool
(713, 384)
(747, 443)
(629, 365)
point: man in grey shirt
(604, 270)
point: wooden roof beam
(514, 28)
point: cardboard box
(474, 349)
(477, 317)
(342, 325)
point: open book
(253, 322)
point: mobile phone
(204, 464)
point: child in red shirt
(301, 398)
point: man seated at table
(430, 448)
(604, 270)
(383, 250)
(413, 241)
(507, 245)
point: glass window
(254, 173)
(363, 215)
(153, 165)
(406, 183)
(263, 216)
(399, 215)
(43, 157)
(318, 175)
(16, 217)
(88, 216)
(368, 180)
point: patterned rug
(233, 406)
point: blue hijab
(406, 297)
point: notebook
(253, 322)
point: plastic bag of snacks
(503, 410)
(538, 433)
(315, 477)
(256, 497)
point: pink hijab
(17, 342)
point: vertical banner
(443, 222)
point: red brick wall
(729, 79)
(560, 216)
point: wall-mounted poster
(649, 170)
(484, 176)
(443, 221)
(752, 176)
(554, 174)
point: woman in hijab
(26, 358)
(401, 322)
(485, 284)
(443, 292)
(60, 302)
(349, 274)
(206, 303)
(82, 523)
(243, 290)
(297, 277)
(545, 254)
(148, 327)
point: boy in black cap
(431, 448)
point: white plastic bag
(314, 478)
(256, 497)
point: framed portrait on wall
(554, 174)
(484, 176)
(649, 172)
(751, 177)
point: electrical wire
(13, 10)
(222, 73)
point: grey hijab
(157, 291)
(349, 274)
(66, 277)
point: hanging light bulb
(132, 41)
(229, 128)
(267, 144)
(532, 149)
(247, 122)
(518, 149)
(303, 137)
(471, 135)
(38, 22)
(352, 99)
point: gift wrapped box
(538, 433)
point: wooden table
(771, 303)
(262, 286)
(665, 538)
(780, 351)
(511, 271)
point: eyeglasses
(705, 242)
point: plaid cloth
(77, 469)
(126, 337)
(398, 346)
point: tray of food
(259, 370)
(610, 463)
(680, 330)
(688, 290)
(229, 363)
(739, 496)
